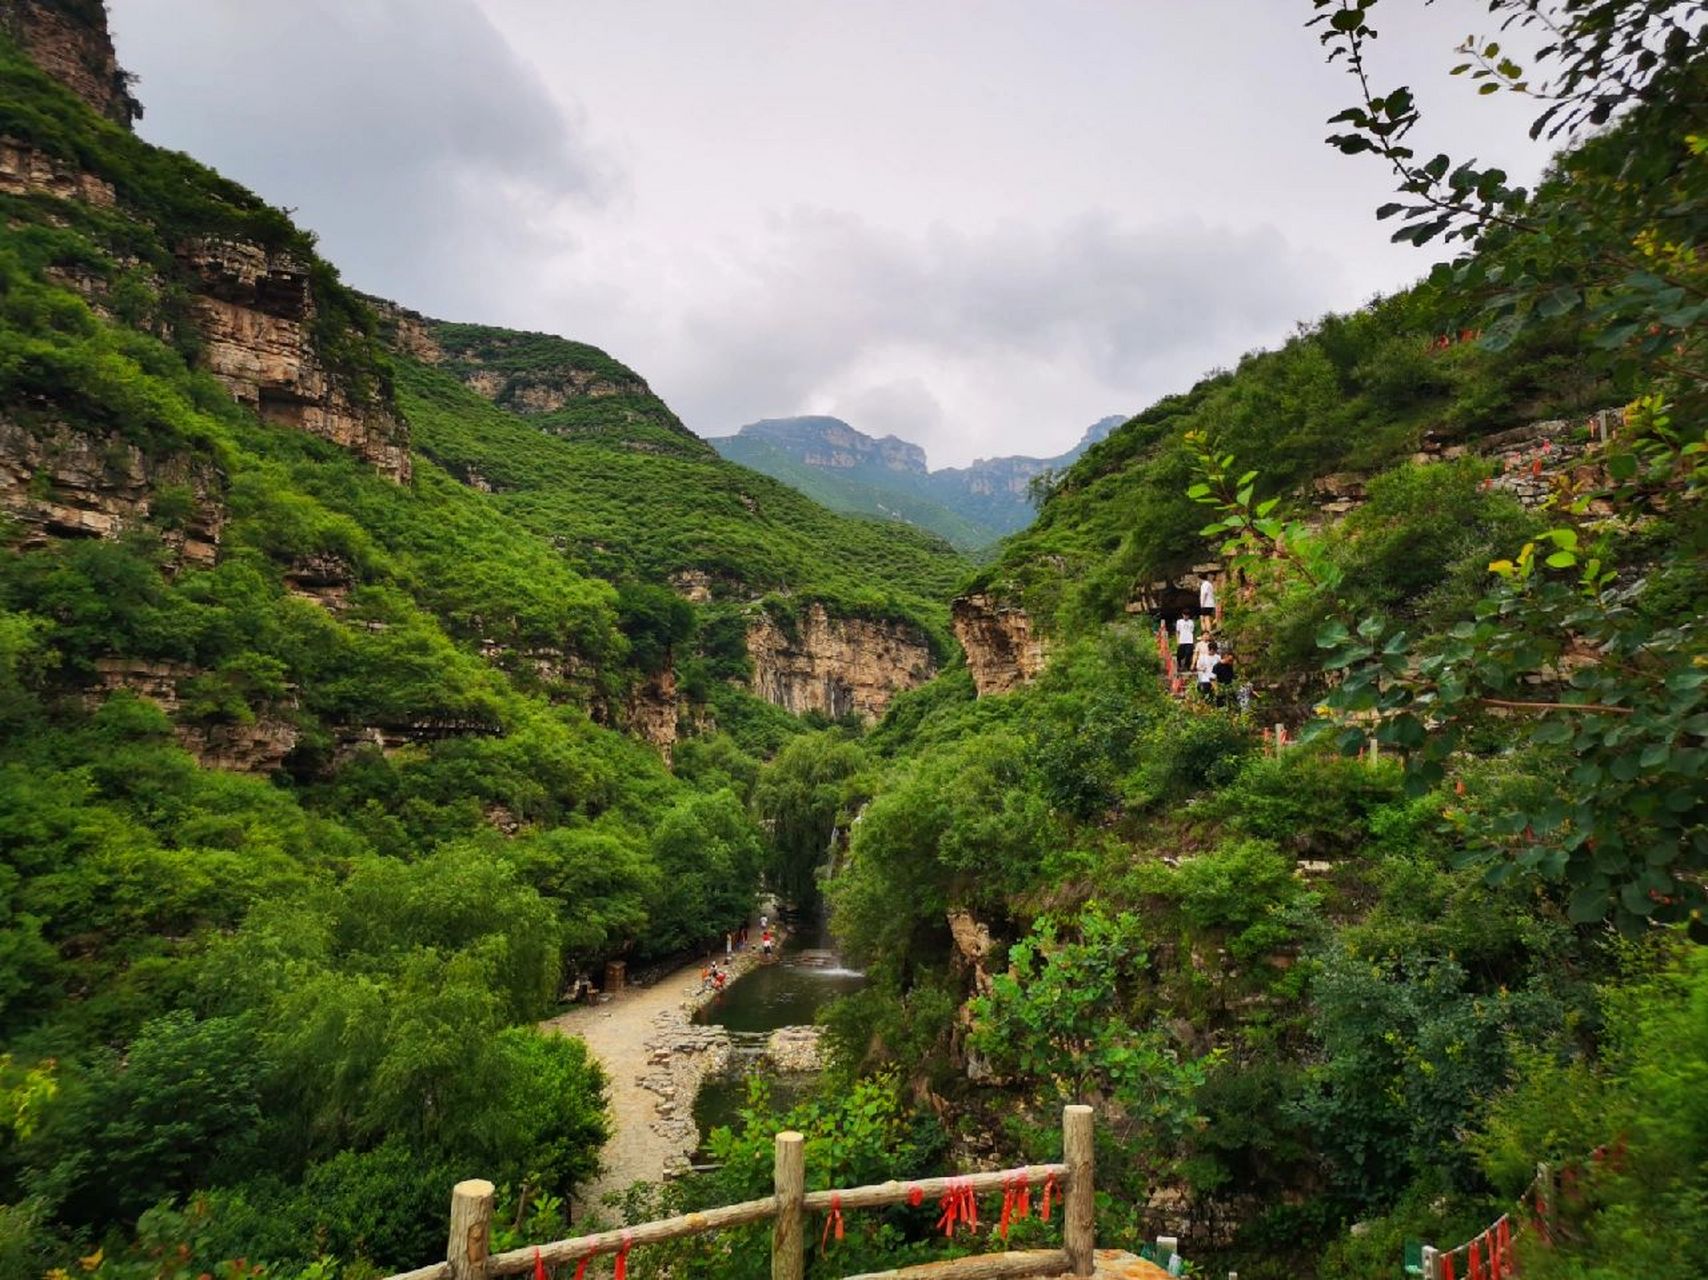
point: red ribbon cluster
(1489, 1255)
(960, 1207)
(1050, 1190)
(1016, 1202)
(832, 1221)
(622, 1269)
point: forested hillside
(364, 677)
(324, 760)
(1336, 994)
(974, 506)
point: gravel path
(655, 1056)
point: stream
(786, 994)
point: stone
(255, 311)
(1002, 646)
(62, 483)
(654, 711)
(24, 171)
(75, 48)
(836, 666)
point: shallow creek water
(786, 994)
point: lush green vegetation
(623, 512)
(271, 1018)
(275, 1015)
(531, 373)
(1316, 989)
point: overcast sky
(978, 224)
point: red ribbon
(1503, 1232)
(539, 1267)
(1476, 1272)
(581, 1270)
(1050, 1190)
(1446, 1266)
(622, 1268)
(834, 1217)
(1016, 1202)
(960, 1205)
(916, 1196)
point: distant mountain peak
(818, 440)
(844, 467)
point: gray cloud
(1054, 325)
(425, 153)
(979, 226)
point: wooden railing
(468, 1255)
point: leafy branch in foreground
(1615, 697)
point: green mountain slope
(973, 506)
(843, 492)
(312, 788)
(620, 512)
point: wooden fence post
(1431, 1263)
(1079, 1206)
(788, 1235)
(471, 1229)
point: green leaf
(1561, 560)
(1587, 905)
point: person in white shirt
(1204, 665)
(1183, 636)
(1206, 596)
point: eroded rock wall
(61, 483)
(1004, 649)
(255, 310)
(69, 40)
(25, 171)
(836, 666)
(654, 711)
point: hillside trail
(617, 1035)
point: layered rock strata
(76, 49)
(1004, 649)
(60, 483)
(255, 310)
(654, 711)
(25, 171)
(835, 666)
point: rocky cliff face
(1003, 648)
(832, 444)
(836, 665)
(60, 483)
(255, 311)
(654, 710)
(69, 40)
(259, 746)
(24, 171)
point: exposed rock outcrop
(72, 44)
(60, 483)
(835, 665)
(255, 310)
(653, 711)
(257, 746)
(25, 171)
(1004, 650)
(407, 332)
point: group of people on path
(1195, 652)
(715, 976)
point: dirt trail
(649, 1130)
